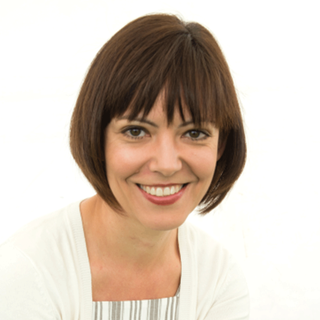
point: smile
(161, 195)
(162, 191)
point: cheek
(204, 163)
(123, 161)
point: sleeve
(23, 294)
(233, 302)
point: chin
(165, 222)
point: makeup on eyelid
(129, 132)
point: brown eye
(194, 134)
(135, 132)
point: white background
(270, 220)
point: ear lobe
(221, 146)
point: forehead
(168, 109)
(158, 116)
(160, 107)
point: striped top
(156, 309)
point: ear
(222, 145)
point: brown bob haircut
(152, 53)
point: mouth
(161, 194)
(162, 191)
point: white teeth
(161, 192)
(166, 191)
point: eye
(196, 135)
(134, 132)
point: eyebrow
(184, 124)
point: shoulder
(21, 284)
(49, 242)
(211, 257)
(219, 278)
(49, 230)
(204, 246)
(38, 265)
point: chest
(125, 285)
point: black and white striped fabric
(157, 309)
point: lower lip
(166, 200)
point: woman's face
(160, 173)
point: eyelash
(126, 130)
(205, 134)
(127, 134)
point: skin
(135, 255)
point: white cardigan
(45, 273)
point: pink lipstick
(164, 200)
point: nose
(165, 157)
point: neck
(116, 239)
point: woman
(157, 131)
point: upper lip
(161, 184)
